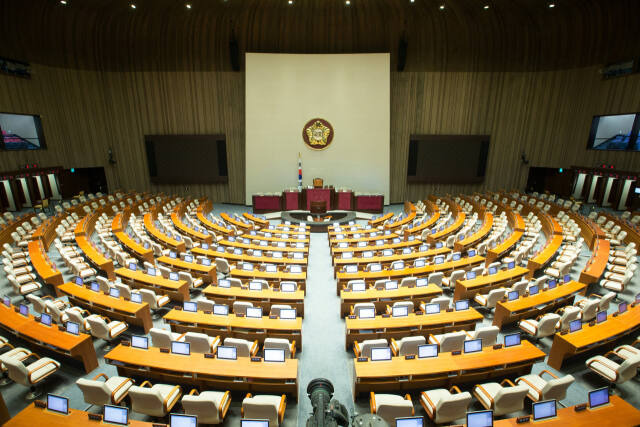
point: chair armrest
(529, 384)
(388, 309)
(166, 399)
(486, 393)
(194, 391)
(181, 337)
(356, 349)
(49, 297)
(434, 338)
(122, 384)
(372, 402)
(31, 354)
(455, 389)
(30, 372)
(145, 383)
(118, 324)
(548, 372)
(293, 349)
(408, 397)
(101, 375)
(426, 408)
(282, 407)
(468, 334)
(394, 347)
(225, 407)
(254, 348)
(507, 381)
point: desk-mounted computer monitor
(173, 276)
(598, 397)
(513, 295)
(432, 308)
(427, 350)
(493, 270)
(58, 404)
(255, 286)
(288, 287)
(224, 283)
(511, 265)
(6, 301)
(351, 268)
(226, 352)
(566, 278)
(471, 275)
(544, 410)
(390, 285)
(206, 262)
(73, 328)
(347, 255)
(178, 347)
(410, 422)
(288, 314)
(575, 325)
(151, 271)
(438, 260)
(622, 307)
(473, 346)
(95, 287)
(380, 354)
(182, 420)
(419, 263)
(24, 310)
(455, 257)
(400, 311)
(533, 290)
(136, 297)
(188, 258)
(552, 284)
(254, 423)
(132, 266)
(374, 268)
(45, 319)
(367, 313)
(118, 415)
(358, 287)
(601, 316)
(471, 253)
(439, 245)
(462, 304)
(138, 341)
(220, 310)
(114, 292)
(273, 355)
(480, 419)
(190, 306)
(79, 281)
(512, 340)
(254, 312)
(422, 282)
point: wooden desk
(461, 264)
(255, 219)
(176, 290)
(239, 244)
(381, 219)
(212, 226)
(31, 416)
(434, 211)
(236, 327)
(213, 254)
(500, 250)
(83, 231)
(264, 298)
(366, 237)
(183, 228)
(400, 375)
(382, 298)
(467, 289)
(480, 234)
(239, 224)
(531, 306)
(160, 237)
(590, 337)
(206, 272)
(597, 263)
(115, 309)
(272, 278)
(43, 266)
(543, 258)
(79, 347)
(413, 324)
(617, 413)
(206, 374)
(398, 245)
(386, 260)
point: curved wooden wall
(104, 76)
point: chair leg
(5, 379)
(34, 393)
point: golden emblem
(317, 134)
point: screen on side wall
(615, 132)
(21, 132)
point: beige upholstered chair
(543, 326)
(390, 406)
(615, 373)
(240, 307)
(451, 280)
(435, 278)
(162, 338)
(209, 406)
(223, 266)
(502, 400)
(104, 328)
(363, 349)
(281, 343)
(362, 305)
(567, 314)
(450, 341)
(39, 306)
(445, 406)
(541, 389)
(111, 391)
(244, 348)
(30, 375)
(491, 299)
(275, 309)
(154, 400)
(264, 407)
(407, 345)
(488, 335)
(201, 343)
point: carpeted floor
(323, 354)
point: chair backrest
(409, 345)
(350, 283)
(262, 407)
(390, 406)
(222, 265)
(275, 309)
(240, 307)
(160, 338)
(408, 281)
(149, 297)
(125, 290)
(590, 309)
(569, 314)
(76, 317)
(452, 407)
(362, 305)
(104, 284)
(547, 324)
(205, 305)
(408, 304)
(452, 341)
(456, 275)
(494, 296)
(17, 371)
(509, 399)
(94, 392)
(367, 345)
(146, 401)
(435, 278)
(244, 348)
(199, 343)
(605, 300)
(556, 388)
(627, 370)
(442, 301)
(53, 310)
(488, 335)
(38, 303)
(99, 327)
(204, 406)
(280, 343)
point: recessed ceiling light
(441, 7)
(188, 5)
(486, 6)
(412, 1)
(133, 6)
(347, 2)
(552, 5)
(63, 1)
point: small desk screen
(480, 419)
(380, 353)
(116, 415)
(178, 347)
(472, 346)
(288, 313)
(543, 410)
(427, 350)
(138, 341)
(575, 325)
(598, 397)
(190, 306)
(601, 316)
(254, 312)
(410, 422)
(58, 404)
(367, 313)
(512, 340)
(220, 310)
(228, 353)
(287, 287)
(179, 420)
(45, 319)
(73, 328)
(273, 355)
(400, 311)
(432, 308)
(463, 304)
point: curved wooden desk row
(207, 223)
(356, 238)
(545, 255)
(280, 246)
(433, 211)
(410, 215)
(370, 277)
(527, 307)
(205, 272)
(380, 220)
(592, 337)
(239, 224)
(213, 254)
(413, 324)
(501, 250)
(382, 298)
(44, 267)
(633, 233)
(196, 235)
(467, 289)
(445, 370)
(234, 326)
(264, 298)
(475, 238)
(49, 338)
(396, 243)
(118, 227)
(386, 260)
(31, 416)
(272, 278)
(597, 264)
(159, 236)
(206, 373)
(263, 222)
(83, 231)
(105, 305)
(176, 290)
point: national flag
(299, 172)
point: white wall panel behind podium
(284, 91)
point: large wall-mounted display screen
(617, 132)
(21, 132)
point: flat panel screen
(21, 132)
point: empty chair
(351, 283)
(613, 372)
(541, 389)
(450, 341)
(408, 304)
(102, 327)
(39, 305)
(435, 278)
(442, 301)
(205, 305)
(125, 290)
(223, 266)
(491, 299)
(24, 288)
(111, 391)
(244, 348)
(407, 345)
(488, 335)
(201, 343)
(240, 307)
(275, 309)
(209, 406)
(154, 400)
(30, 375)
(283, 344)
(162, 338)
(616, 282)
(363, 349)
(451, 280)
(191, 282)
(543, 326)
(588, 308)
(361, 306)
(445, 406)
(155, 302)
(390, 406)
(408, 282)
(567, 314)
(502, 400)
(264, 407)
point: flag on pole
(299, 172)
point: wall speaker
(402, 53)
(234, 53)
